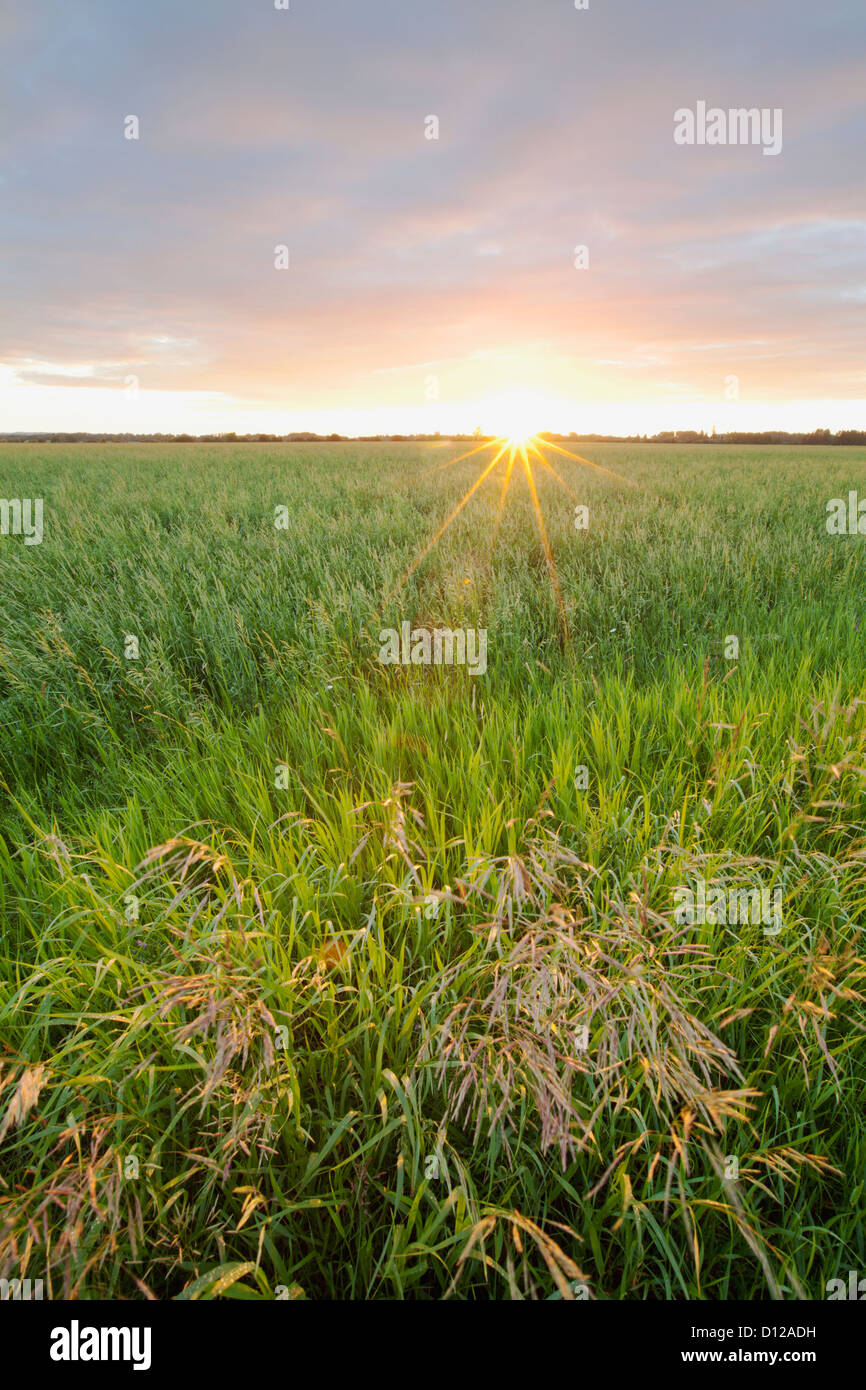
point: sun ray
(489, 444)
(444, 527)
(548, 553)
(550, 468)
(580, 459)
(504, 493)
(516, 446)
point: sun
(520, 427)
(516, 448)
(520, 436)
(517, 417)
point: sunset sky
(431, 282)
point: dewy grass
(325, 978)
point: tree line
(821, 436)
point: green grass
(334, 1053)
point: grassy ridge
(296, 946)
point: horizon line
(686, 436)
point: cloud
(306, 128)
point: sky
(432, 283)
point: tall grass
(412, 1017)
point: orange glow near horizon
(47, 396)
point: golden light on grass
(517, 445)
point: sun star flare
(518, 445)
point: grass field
(321, 978)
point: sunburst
(520, 447)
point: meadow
(327, 979)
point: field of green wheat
(322, 978)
